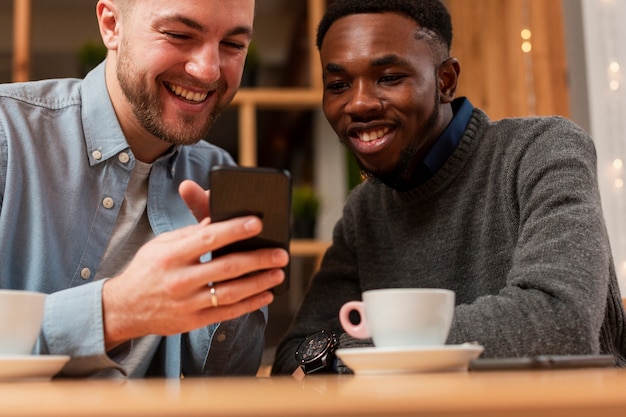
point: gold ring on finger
(213, 292)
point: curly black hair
(431, 15)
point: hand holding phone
(262, 192)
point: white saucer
(376, 361)
(29, 367)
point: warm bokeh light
(527, 46)
(618, 163)
(526, 34)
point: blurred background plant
(305, 206)
(90, 54)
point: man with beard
(506, 214)
(103, 203)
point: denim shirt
(64, 168)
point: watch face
(313, 346)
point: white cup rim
(9, 291)
(411, 290)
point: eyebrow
(241, 30)
(333, 68)
(391, 59)
(180, 19)
(195, 25)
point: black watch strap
(316, 354)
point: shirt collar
(447, 142)
(103, 134)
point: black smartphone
(263, 192)
(543, 362)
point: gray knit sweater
(512, 222)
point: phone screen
(263, 192)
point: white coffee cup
(401, 317)
(21, 317)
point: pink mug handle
(359, 330)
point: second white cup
(21, 316)
(401, 317)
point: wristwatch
(317, 353)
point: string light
(527, 46)
(618, 163)
(615, 75)
(618, 181)
(611, 122)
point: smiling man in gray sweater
(506, 214)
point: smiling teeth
(186, 94)
(373, 135)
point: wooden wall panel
(21, 40)
(496, 74)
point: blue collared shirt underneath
(447, 142)
(64, 169)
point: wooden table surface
(584, 392)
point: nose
(204, 63)
(363, 100)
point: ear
(448, 75)
(108, 22)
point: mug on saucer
(401, 317)
(21, 317)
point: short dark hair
(431, 15)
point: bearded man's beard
(148, 109)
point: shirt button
(108, 202)
(96, 155)
(221, 337)
(123, 157)
(85, 273)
